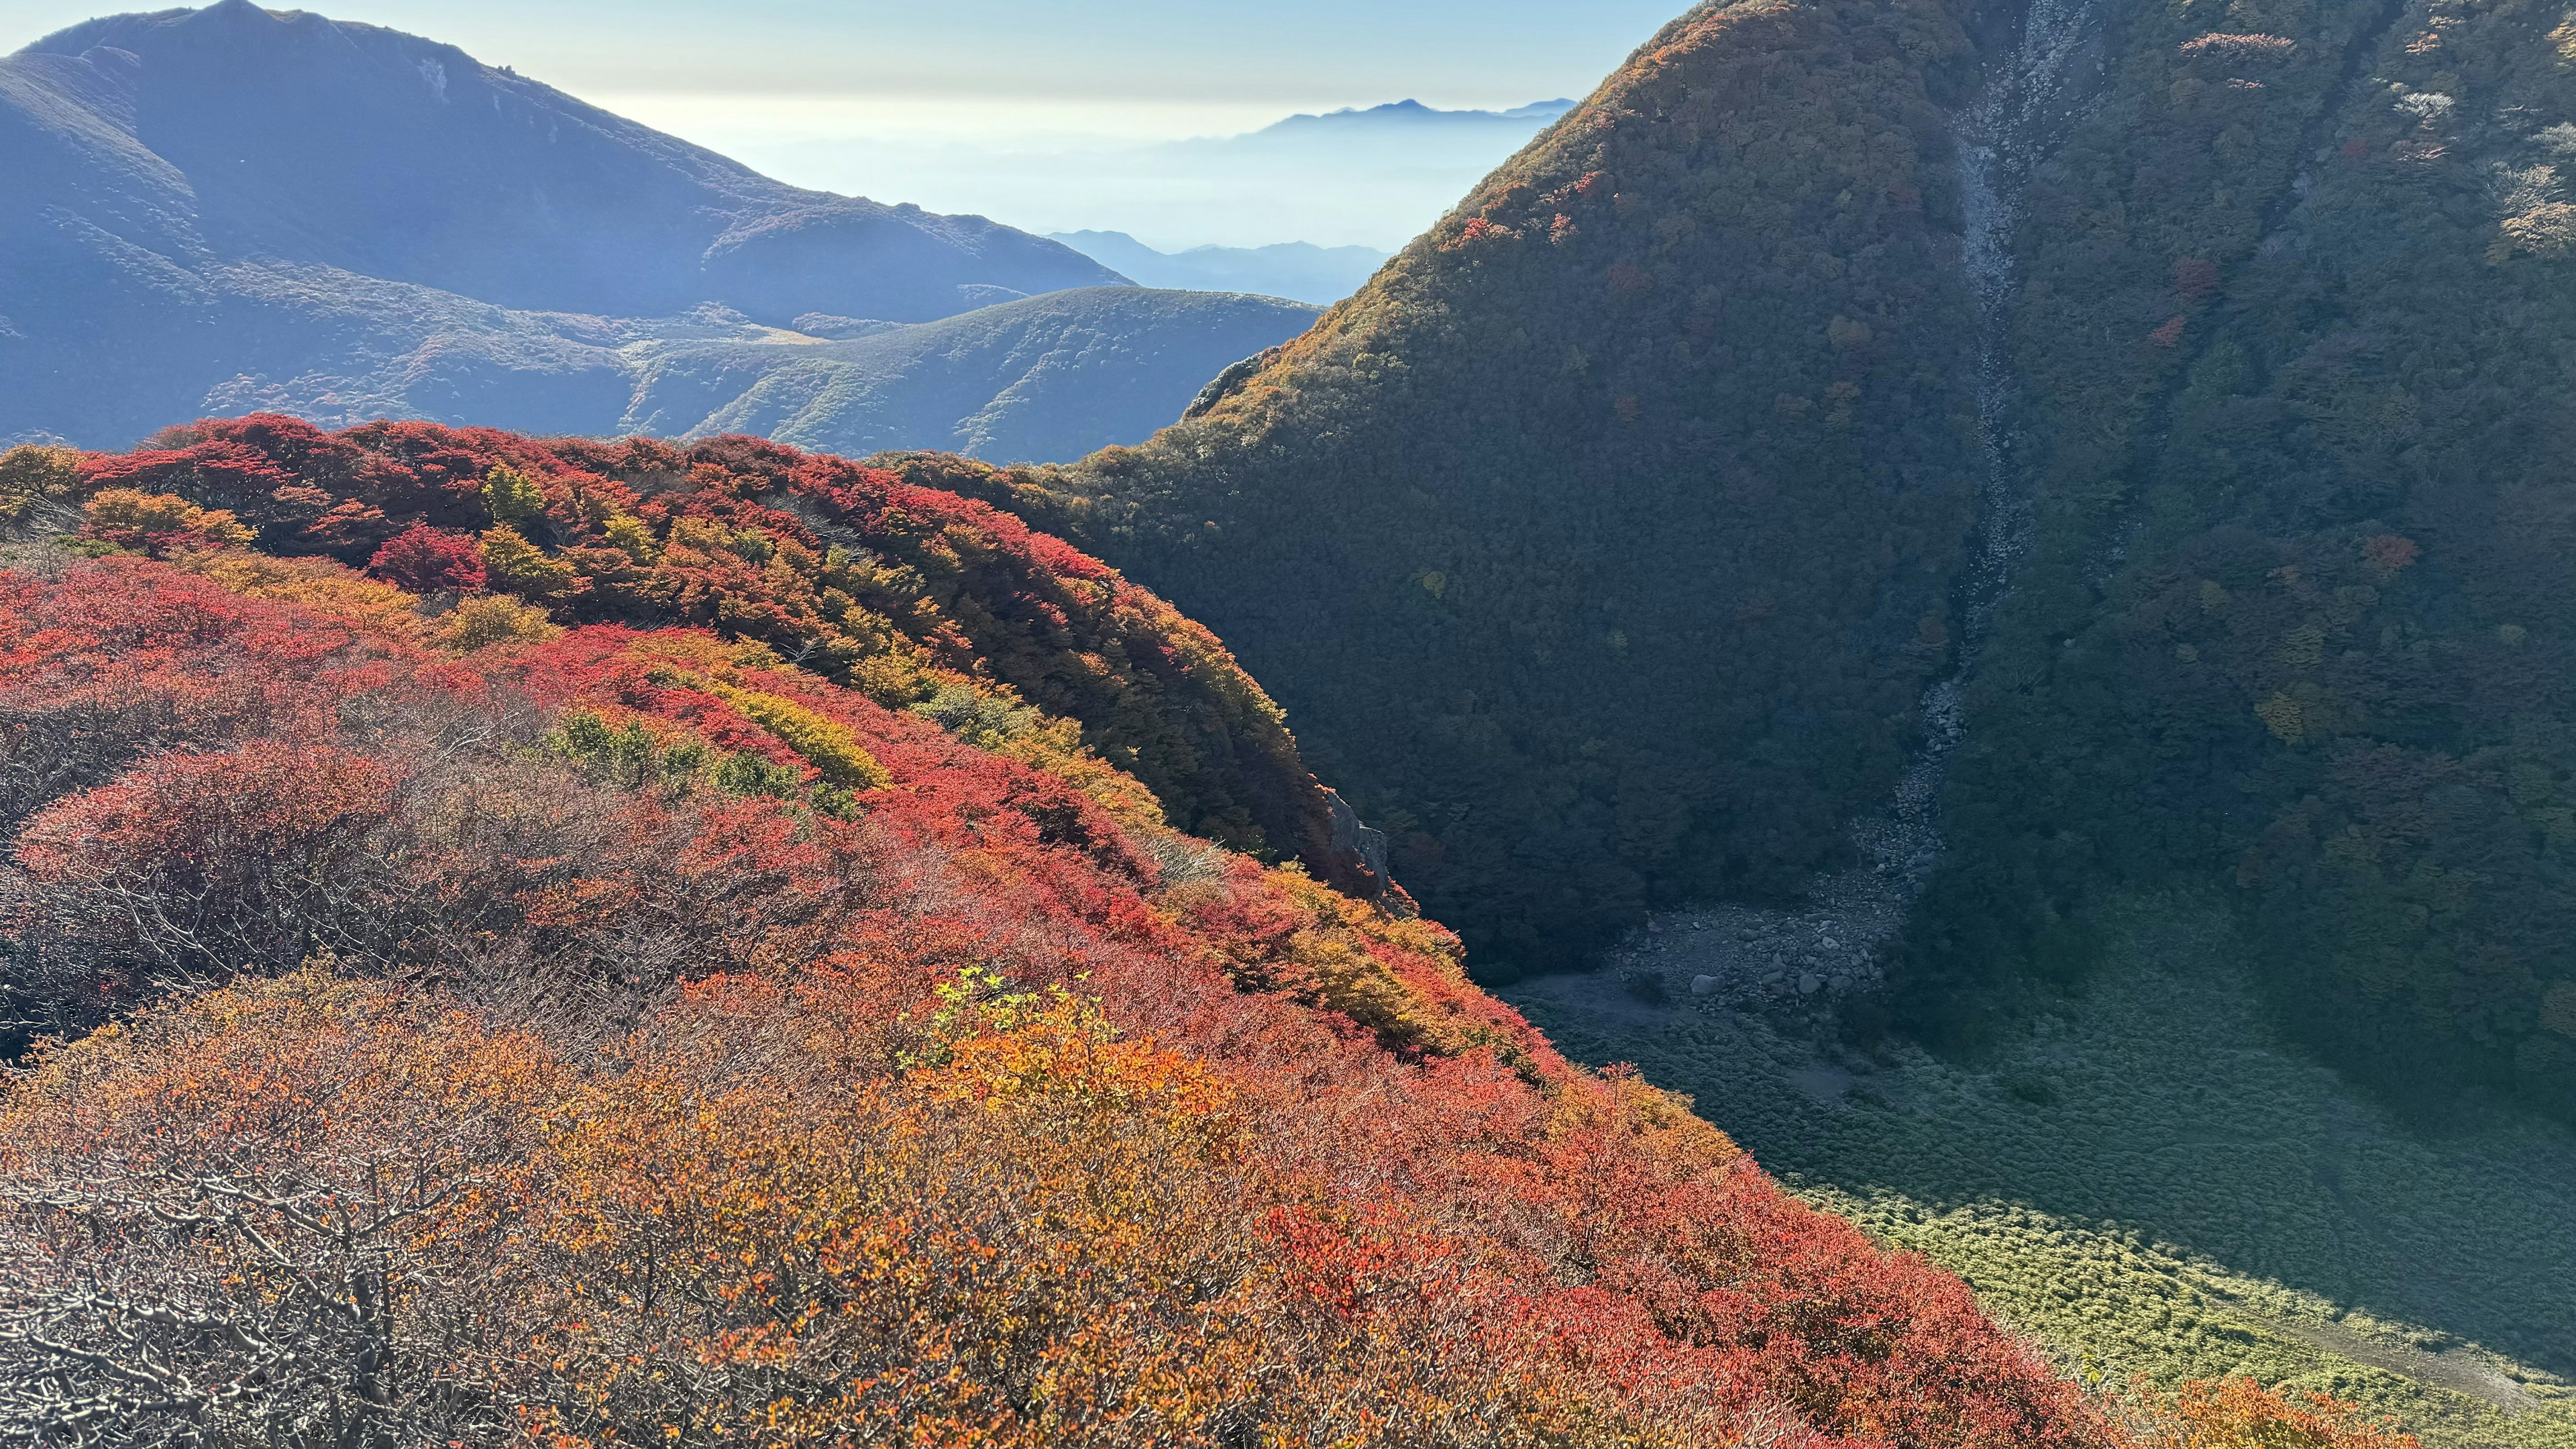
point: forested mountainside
(1604, 543)
(2297, 616)
(633, 934)
(916, 598)
(227, 210)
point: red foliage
(851, 571)
(1419, 1166)
(428, 560)
(2390, 554)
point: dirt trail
(2463, 1371)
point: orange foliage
(963, 1106)
(2238, 1413)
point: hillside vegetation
(1603, 542)
(923, 600)
(620, 1033)
(2145, 1178)
(2298, 614)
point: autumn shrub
(32, 475)
(285, 1213)
(157, 523)
(961, 1105)
(2238, 1413)
(206, 864)
(912, 594)
(424, 560)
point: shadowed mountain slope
(1606, 541)
(1603, 541)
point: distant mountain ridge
(399, 157)
(1415, 113)
(2170, 419)
(1299, 270)
(230, 208)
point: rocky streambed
(1806, 959)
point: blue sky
(968, 104)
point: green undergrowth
(2148, 1183)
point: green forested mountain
(1603, 541)
(1605, 544)
(2294, 344)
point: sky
(1042, 113)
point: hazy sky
(931, 85)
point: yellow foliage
(318, 585)
(489, 619)
(826, 744)
(517, 566)
(512, 497)
(127, 516)
(32, 471)
(628, 533)
(2239, 1414)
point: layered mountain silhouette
(235, 205)
(1302, 270)
(2170, 402)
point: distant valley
(393, 229)
(1298, 270)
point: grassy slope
(2149, 1183)
(1048, 377)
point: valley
(2144, 1178)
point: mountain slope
(227, 209)
(1606, 541)
(1041, 378)
(920, 599)
(1603, 542)
(764, 1050)
(294, 136)
(2296, 619)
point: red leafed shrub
(207, 862)
(914, 595)
(2389, 554)
(1480, 229)
(429, 560)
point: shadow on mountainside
(2150, 1182)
